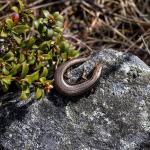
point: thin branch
(3, 7)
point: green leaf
(44, 29)
(50, 32)
(40, 52)
(64, 56)
(8, 66)
(5, 87)
(64, 46)
(22, 57)
(7, 79)
(21, 5)
(25, 92)
(41, 21)
(24, 95)
(15, 9)
(14, 69)
(31, 58)
(40, 28)
(39, 93)
(56, 14)
(31, 61)
(25, 69)
(48, 43)
(59, 24)
(33, 77)
(28, 79)
(9, 23)
(46, 13)
(4, 33)
(38, 66)
(58, 17)
(47, 56)
(36, 24)
(73, 53)
(31, 41)
(42, 80)
(5, 71)
(35, 46)
(45, 72)
(31, 16)
(9, 56)
(58, 29)
(28, 43)
(45, 21)
(5, 82)
(18, 40)
(20, 29)
(43, 45)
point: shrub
(29, 50)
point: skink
(74, 90)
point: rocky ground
(113, 116)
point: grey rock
(115, 116)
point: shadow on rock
(57, 99)
(2, 147)
(145, 145)
(60, 100)
(11, 110)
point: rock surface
(115, 116)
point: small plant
(29, 50)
